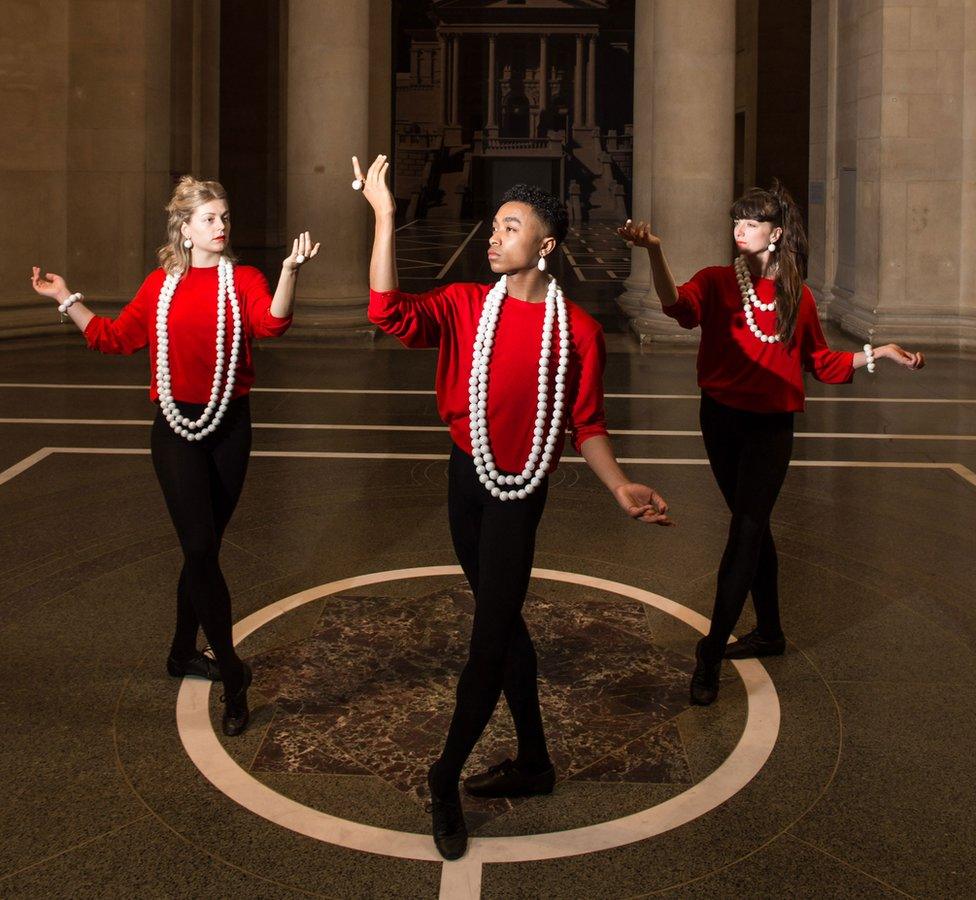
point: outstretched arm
(640, 235)
(53, 286)
(382, 265)
(637, 500)
(284, 295)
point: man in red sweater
(518, 367)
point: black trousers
(749, 455)
(202, 482)
(495, 544)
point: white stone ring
(300, 258)
(357, 185)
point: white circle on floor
(739, 768)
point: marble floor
(841, 769)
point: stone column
(328, 119)
(578, 84)
(685, 51)
(492, 88)
(900, 154)
(591, 84)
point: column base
(647, 323)
(340, 321)
(942, 327)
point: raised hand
(901, 356)
(50, 285)
(375, 188)
(639, 234)
(642, 503)
(301, 247)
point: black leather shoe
(449, 830)
(236, 713)
(508, 780)
(704, 681)
(199, 665)
(754, 645)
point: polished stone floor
(867, 789)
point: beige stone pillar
(898, 166)
(591, 83)
(328, 121)
(89, 145)
(691, 167)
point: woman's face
(209, 226)
(517, 239)
(752, 236)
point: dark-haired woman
(518, 366)
(760, 332)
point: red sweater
(735, 367)
(447, 318)
(192, 327)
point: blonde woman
(198, 314)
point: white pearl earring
(542, 264)
(188, 243)
(772, 246)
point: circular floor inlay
(738, 769)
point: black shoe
(236, 713)
(704, 681)
(508, 780)
(450, 832)
(199, 665)
(754, 645)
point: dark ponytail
(777, 207)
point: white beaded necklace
(749, 299)
(217, 406)
(543, 444)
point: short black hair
(548, 207)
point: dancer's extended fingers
(294, 248)
(383, 170)
(374, 169)
(357, 170)
(315, 251)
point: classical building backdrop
(660, 108)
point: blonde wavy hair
(189, 194)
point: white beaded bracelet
(71, 301)
(869, 353)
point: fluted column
(328, 85)
(492, 115)
(685, 51)
(591, 84)
(543, 72)
(578, 84)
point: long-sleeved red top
(447, 318)
(734, 366)
(192, 329)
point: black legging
(495, 544)
(750, 454)
(202, 481)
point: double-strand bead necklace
(518, 487)
(197, 429)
